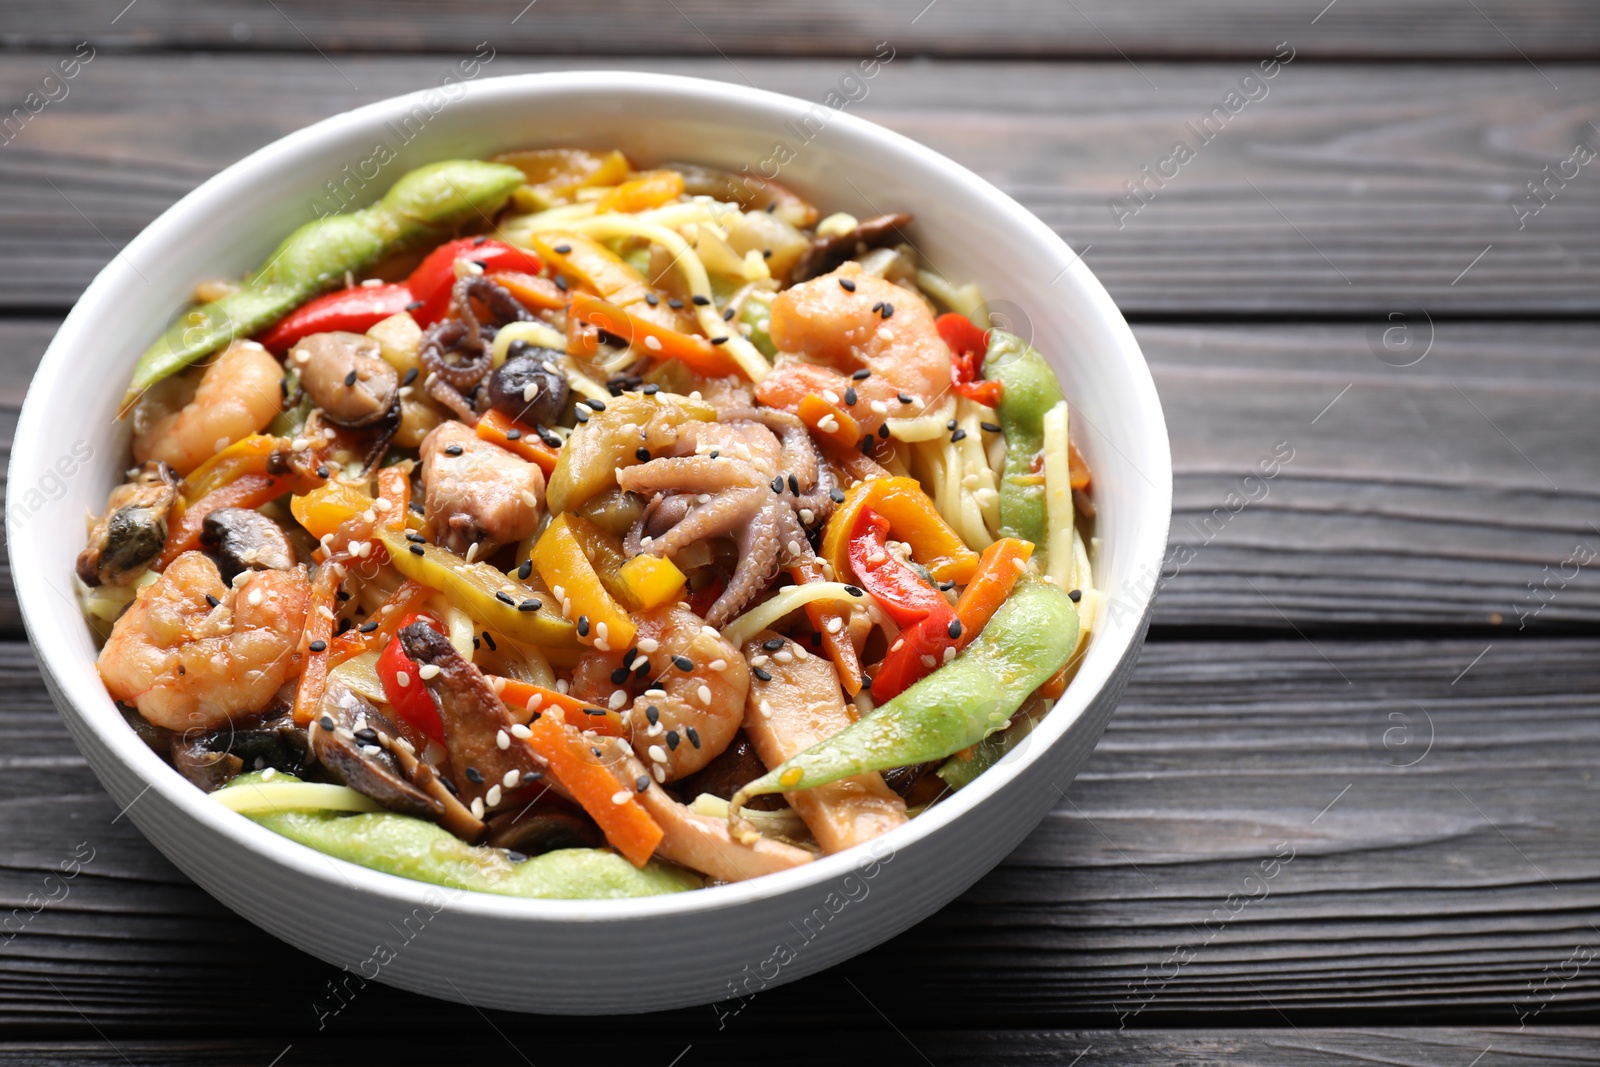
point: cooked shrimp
(842, 331)
(239, 394)
(694, 685)
(191, 652)
(477, 492)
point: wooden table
(1380, 672)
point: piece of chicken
(477, 493)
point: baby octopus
(755, 477)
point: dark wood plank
(901, 1043)
(1346, 190)
(1439, 852)
(1402, 503)
(1103, 28)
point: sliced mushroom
(240, 539)
(737, 766)
(487, 762)
(134, 528)
(203, 766)
(826, 253)
(352, 740)
(544, 825)
(529, 385)
(213, 758)
(347, 377)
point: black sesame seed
(904, 399)
(727, 316)
(327, 722)
(526, 570)
(854, 590)
(772, 644)
(350, 379)
(452, 450)
(959, 435)
(652, 299)
(990, 427)
(642, 454)
(683, 663)
(862, 375)
(533, 776)
(866, 445)
(549, 438)
(672, 740)
(693, 735)
(883, 431)
(701, 301)
(629, 656)
(719, 340)
(772, 205)
(847, 285)
(598, 405)
(322, 471)
(641, 670)
(888, 309)
(474, 776)
(761, 674)
(513, 856)
(583, 626)
(344, 624)
(641, 783)
(318, 646)
(416, 550)
(416, 506)
(651, 389)
(836, 495)
(653, 714)
(415, 538)
(1075, 596)
(479, 242)
(619, 676)
(561, 283)
(410, 376)
(368, 626)
(777, 484)
(513, 434)
(850, 396)
(950, 425)
(954, 629)
(476, 644)
(530, 605)
(213, 601)
(342, 597)
(489, 640)
(504, 598)
(674, 303)
(562, 250)
(579, 414)
(766, 253)
(794, 485)
(368, 735)
(947, 585)
(414, 305)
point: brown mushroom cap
(240, 539)
(346, 377)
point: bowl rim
(86, 696)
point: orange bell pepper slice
(594, 265)
(656, 341)
(565, 568)
(1001, 564)
(407, 599)
(247, 491)
(518, 438)
(813, 410)
(649, 190)
(627, 826)
(912, 519)
(531, 291)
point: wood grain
(1402, 504)
(1438, 847)
(1345, 190)
(1007, 29)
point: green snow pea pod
(1029, 389)
(427, 202)
(1029, 638)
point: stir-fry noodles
(556, 528)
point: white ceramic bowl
(607, 956)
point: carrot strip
(526, 700)
(814, 409)
(531, 291)
(319, 632)
(656, 341)
(497, 427)
(246, 491)
(394, 488)
(836, 644)
(1001, 564)
(627, 826)
(648, 190)
(407, 598)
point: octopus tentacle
(731, 509)
(694, 474)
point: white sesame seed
(620, 796)
(618, 698)
(801, 653)
(880, 408)
(718, 664)
(652, 343)
(657, 753)
(369, 516)
(371, 750)
(602, 644)
(402, 679)
(428, 670)
(828, 424)
(835, 624)
(530, 499)
(711, 632)
(269, 774)
(929, 661)
(299, 444)
(477, 808)
(512, 779)
(783, 655)
(830, 396)
(704, 693)
(381, 505)
(660, 774)
(602, 633)
(793, 547)
(530, 391)
(656, 729)
(649, 645)
(950, 653)
(532, 705)
(254, 598)
(561, 594)
(521, 732)
(472, 552)
(493, 796)
(502, 740)
(808, 516)
(765, 707)
(561, 686)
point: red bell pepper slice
(924, 616)
(356, 310)
(968, 346)
(410, 700)
(435, 276)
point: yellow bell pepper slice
(487, 594)
(565, 568)
(912, 519)
(323, 510)
(247, 455)
(652, 580)
(649, 190)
